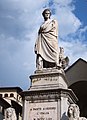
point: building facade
(11, 97)
(77, 81)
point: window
(6, 95)
(11, 95)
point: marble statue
(10, 114)
(46, 46)
(63, 61)
(74, 113)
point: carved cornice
(49, 95)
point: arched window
(11, 95)
(6, 95)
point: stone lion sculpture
(10, 114)
(74, 113)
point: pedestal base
(47, 104)
(48, 97)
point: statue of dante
(46, 46)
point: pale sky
(19, 24)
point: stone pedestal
(48, 97)
(48, 79)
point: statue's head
(10, 114)
(73, 110)
(61, 50)
(46, 13)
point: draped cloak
(47, 44)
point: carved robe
(47, 44)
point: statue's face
(47, 14)
(9, 113)
(71, 109)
